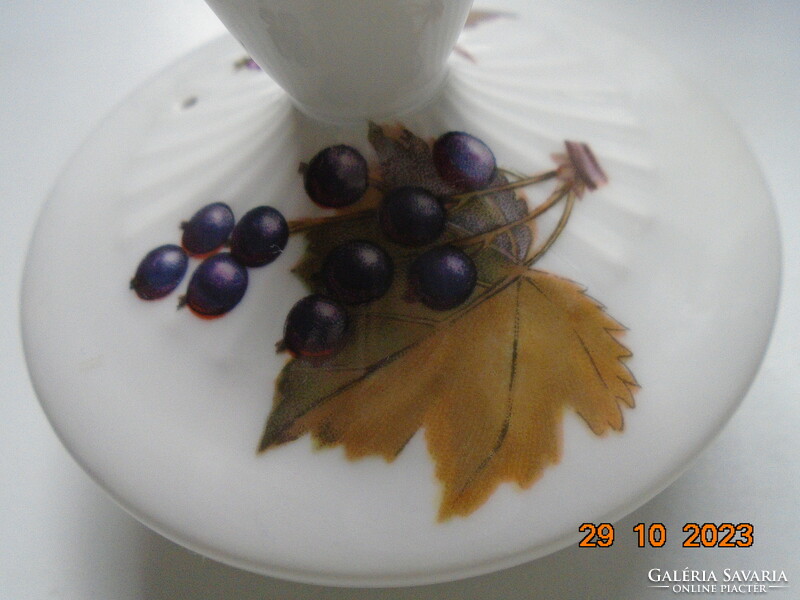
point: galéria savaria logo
(724, 582)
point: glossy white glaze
(354, 60)
(165, 410)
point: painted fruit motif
(425, 309)
(468, 342)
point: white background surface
(63, 66)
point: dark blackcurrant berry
(216, 286)
(463, 161)
(336, 176)
(411, 216)
(442, 277)
(357, 272)
(208, 229)
(160, 272)
(315, 327)
(259, 237)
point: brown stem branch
(488, 236)
(513, 185)
(453, 203)
(562, 222)
(301, 225)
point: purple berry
(259, 237)
(356, 272)
(216, 286)
(160, 272)
(463, 161)
(315, 327)
(336, 176)
(411, 216)
(443, 277)
(208, 229)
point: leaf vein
(591, 358)
(501, 436)
(388, 359)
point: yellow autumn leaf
(489, 381)
(488, 385)
(553, 348)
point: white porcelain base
(165, 410)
